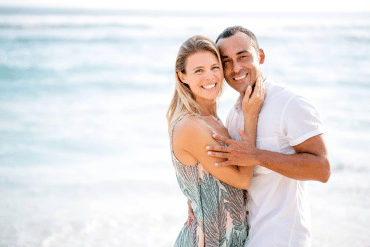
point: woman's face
(203, 74)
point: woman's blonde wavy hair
(183, 101)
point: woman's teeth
(209, 86)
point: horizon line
(121, 10)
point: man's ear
(182, 77)
(262, 56)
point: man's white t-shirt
(279, 211)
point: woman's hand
(252, 104)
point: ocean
(84, 150)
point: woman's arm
(251, 106)
(190, 138)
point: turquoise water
(84, 154)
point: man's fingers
(218, 149)
(218, 154)
(223, 163)
(222, 139)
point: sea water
(84, 150)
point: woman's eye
(216, 67)
(198, 71)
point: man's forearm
(300, 166)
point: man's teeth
(209, 86)
(239, 78)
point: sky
(198, 5)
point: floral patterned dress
(220, 209)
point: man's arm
(310, 162)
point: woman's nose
(211, 75)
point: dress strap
(205, 122)
(213, 131)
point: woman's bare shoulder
(189, 135)
(190, 129)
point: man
(289, 148)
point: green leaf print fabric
(220, 209)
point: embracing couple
(245, 182)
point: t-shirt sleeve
(300, 121)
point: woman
(216, 194)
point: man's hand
(191, 215)
(239, 153)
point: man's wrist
(258, 157)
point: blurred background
(84, 89)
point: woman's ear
(182, 77)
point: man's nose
(236, 67)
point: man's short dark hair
(230, 31)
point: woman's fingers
(242, 134)
(248, 92)
(257, 92)
(247, 96)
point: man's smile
(240, 77)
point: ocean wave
(36, 26)
(73, 40)
(114, 39)
(12, 73)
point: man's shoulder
(279, 96)
(278, 90)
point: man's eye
(198, 71)
(216, 67)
